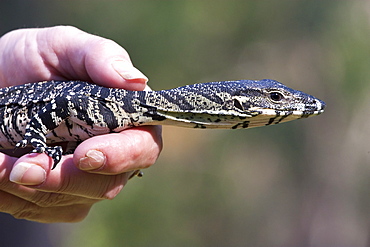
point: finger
(42, 199)
(23, 209)
(33, 170)
(108, 64)
(115, 153)
(65, 52)
(89, 57)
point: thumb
(85, 56)
(108, 64)
(65, 52)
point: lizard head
(272, 95)
(271, 102)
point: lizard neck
(185, 108)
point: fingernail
(93, 160)
(127, 71)
(27, 174)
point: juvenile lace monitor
(36, 114)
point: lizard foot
(54, 152)
(39, 147)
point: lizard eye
(276, 96)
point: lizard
(37, 114)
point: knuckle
(151, 157)
(114, 186)
(112, 193)
(50, 199)
(26, 210)
(144, 156)
(48, 215)
(26, 213)
(104, 45)
(17, 207)
(148, 162)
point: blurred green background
(304, 183)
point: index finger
(115, 153)
(33, 170)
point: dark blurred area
(304, 183)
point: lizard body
(40, 113)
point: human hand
(101, 165)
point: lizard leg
(47, 119)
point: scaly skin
(40, 113)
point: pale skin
(100, 166)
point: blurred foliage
(304, 183)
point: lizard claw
(21, 144)
(55, 153)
